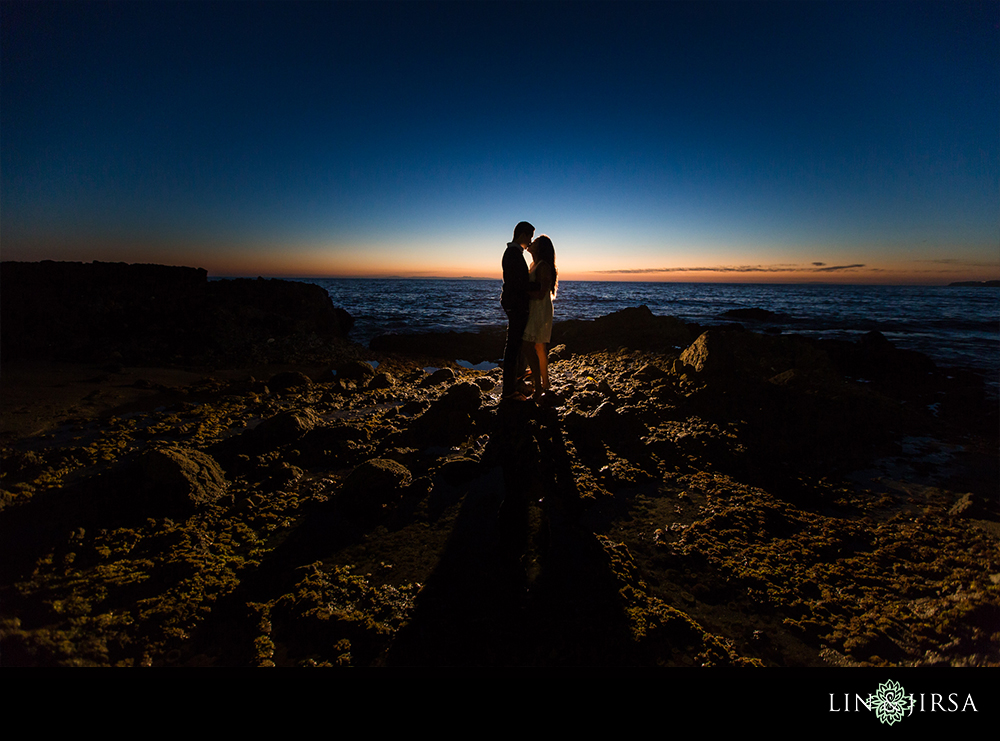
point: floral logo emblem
(890, 702)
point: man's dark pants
(517, 322)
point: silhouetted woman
(539, 330)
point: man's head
(523, 233)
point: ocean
(955, 326)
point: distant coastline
(975, 284)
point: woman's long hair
(545, 252)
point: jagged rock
(441, 375)
(281, 429)
(747, 356)
(355, 370)
(282, 475)
(559, 352)
(649, 373)
(373, 484)
(969, 506)
(288, 380)
(381, 381)
(457, 470)
(335, 445)
(173, 478)
(451, 418)
(874, 357)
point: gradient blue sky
(804, 141)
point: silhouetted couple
(527, 300)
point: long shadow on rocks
(519, 583)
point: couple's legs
(538, 361)
(513, 362)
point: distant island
(976, 284)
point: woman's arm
(544, 274)
(535, 286)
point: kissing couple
(527, 300)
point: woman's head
(543, 251)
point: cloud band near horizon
(741, 269)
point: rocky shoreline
(691, 498)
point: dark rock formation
(441, 375)
(281, 429)
(355, 370)
(475, 347)
(451, 418)
(756, 315)
(635, 328)
(740, 356)
(875, 358)
(136, 314)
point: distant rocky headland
(149, 314)
(685, 497)
(976, 284)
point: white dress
(539, 327)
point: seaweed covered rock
(176, 479)
(374, 484)
(661, 632)
(450, 419)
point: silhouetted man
(514, 301)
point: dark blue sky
(669, 140)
